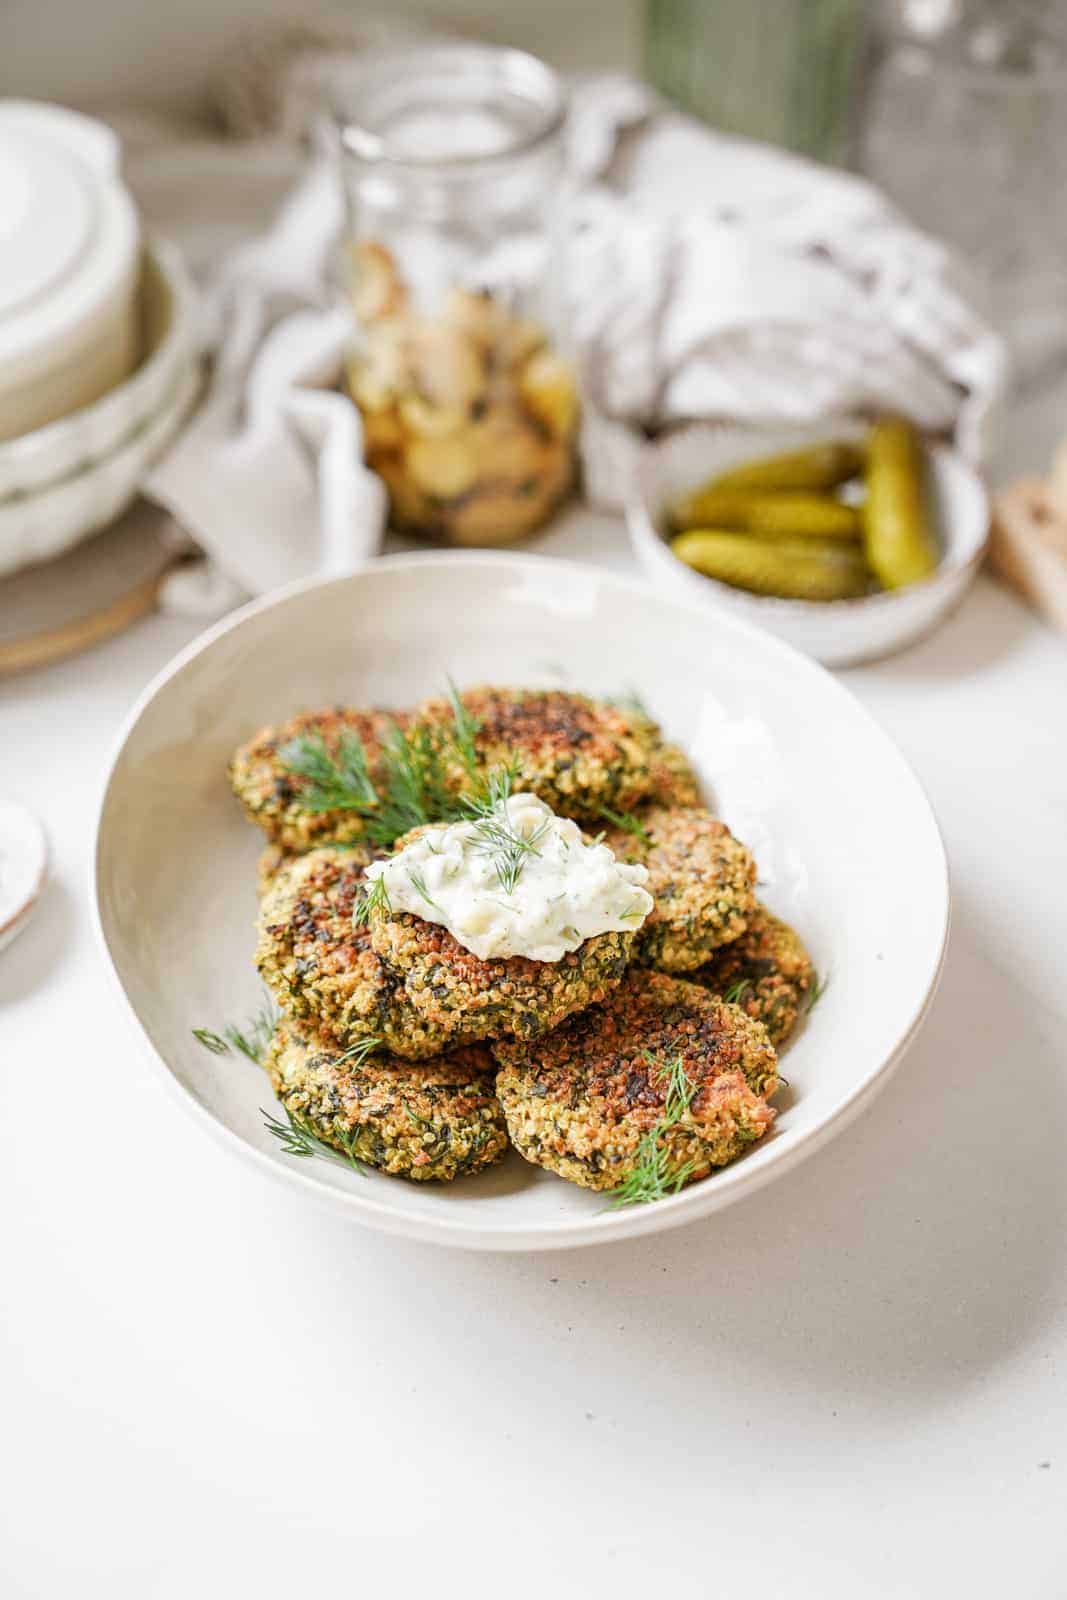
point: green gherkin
(900, 544)
(792, 569)
(816, 467)
(775, 516)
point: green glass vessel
(783, 71)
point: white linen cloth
(707, 276)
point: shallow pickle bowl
(789, 758)
(838, 633)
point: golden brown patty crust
(435, 1119)
(581, 1100)
(674, 781)
(452, 988)
(578, 755)
(701, 879)
(269, 863)
(275, 799)
(321, 968)
(767, 972)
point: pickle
(819, 466)
(899, 541)
(791, 569)
(774, 516)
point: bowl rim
(691, 1204)
(167, 261)
(643, 510)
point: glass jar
(452, 167)
(965, 130)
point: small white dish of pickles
(848, 541)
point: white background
(850, 1384)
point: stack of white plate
(97, 351)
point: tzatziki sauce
(519, 881)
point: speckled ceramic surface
(842, 632)
(846, 844)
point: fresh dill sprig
(628, 822)
(414, 788)
(493, 832)
(211, 1041)
(652, 1176)
(357, 1053)
(466, 732)
(339, 782)
(630, 700)
(736, 992)
(251, 1040)
(418, 883)
(413, 784)
(374, 898)
(816, 992)
(298, 1138)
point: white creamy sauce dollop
(519, 882)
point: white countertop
(850, 1384)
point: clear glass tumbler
(452, 167)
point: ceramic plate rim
(693, 1203)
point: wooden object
(1028, 546)
(88, 595)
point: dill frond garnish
(736, 992)
(414, 788)
(356, 1054)
(630, 700)
(298, 1138)
(493, 833)
(653, 1177)
(211, 1041)
(627, 821)
(374, 898)
(816, 992)
(251, 1040)
(340, 782)
(414, 771)
(466, 731)
(418, 883)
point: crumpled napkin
(708, 278)
(268, 476)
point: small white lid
(69, 238)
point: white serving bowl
(846, 844)
(62, 482)
(840, 632)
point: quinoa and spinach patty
(283, 801)
(701, 879)
(576, 754)
(436, 1119)
(674, 783)
(767, 972)
(591, 1101)
(271, 861)
(450, 988)
(320, 966)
